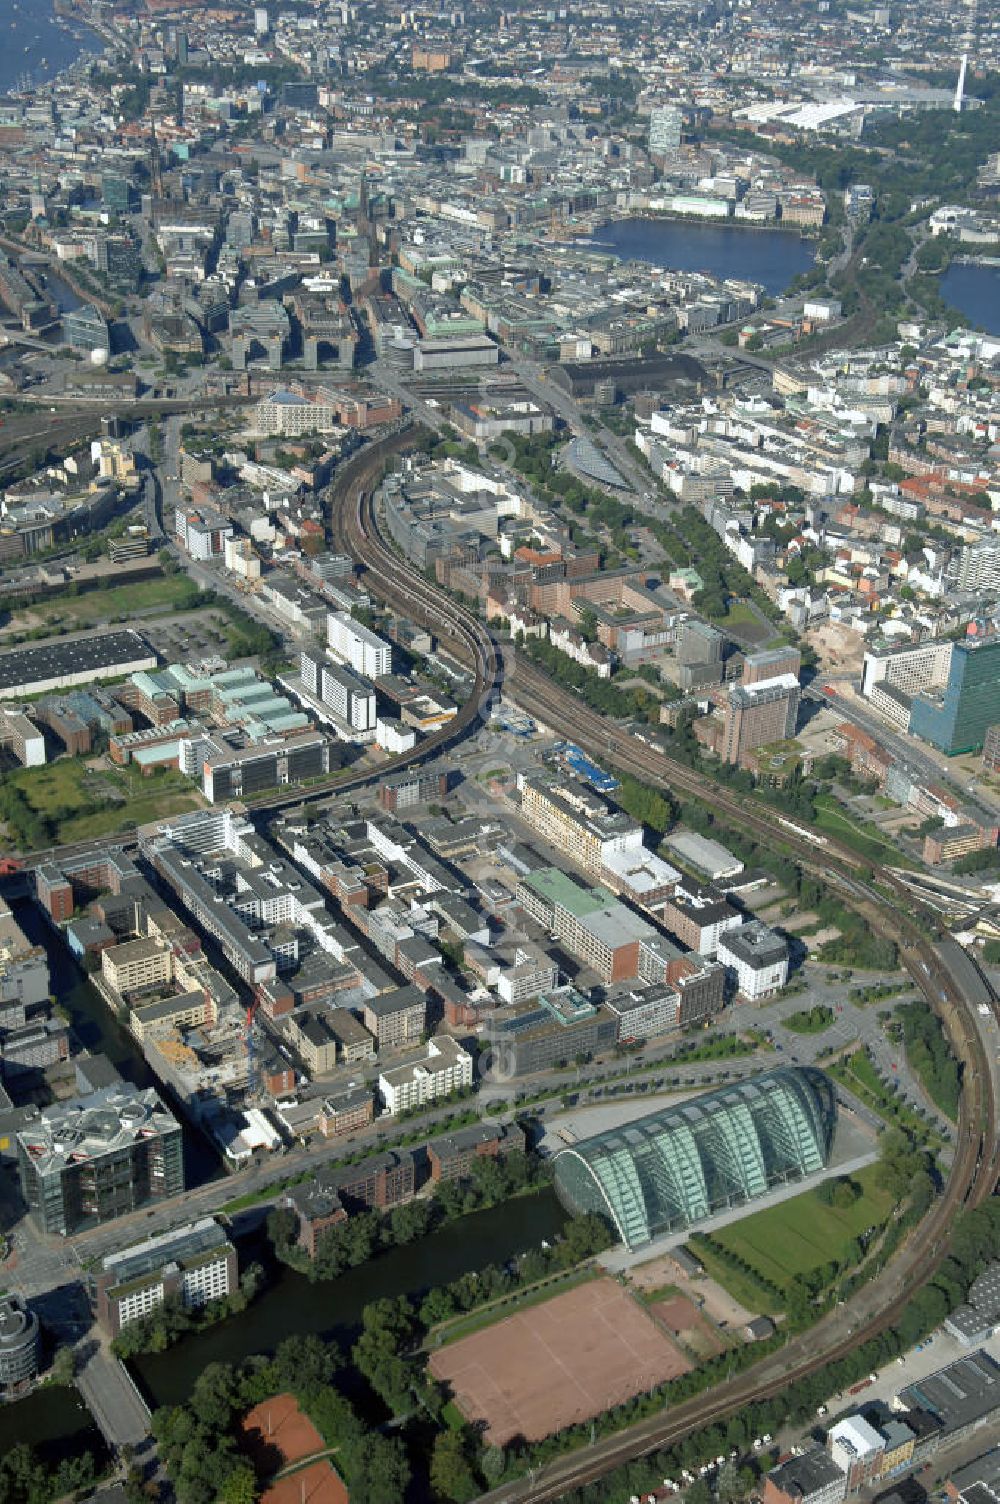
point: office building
(665, 124)
(237, 772)
(578, 822)
(957, 718)
(758, 668)
(19, 1342)
(203, 534)
(408, 790)
(443, 1068)
(551, 1031)
(756, 957)
(98, 1157)
(85, 329)
(758, 714)
(362, 650)
(193, 1264)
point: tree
(240, 1487)
(493, 1464)
(451, 1476)
(377, 1468)
(64, 1366)
(699, 1493)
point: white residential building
(359, 648)
(444, 1068)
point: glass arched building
(682, 1164)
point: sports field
(558, 1363)
(801, 1234)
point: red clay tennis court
(278, 1424)
(558, 1363)
(315, 1484)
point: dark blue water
(974, 291)
(35, 42)
(771, 257)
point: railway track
(974, 1171)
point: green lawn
(799, 1235)
(867, 840)
(96, 607)
(82, 804)
(741, 1285)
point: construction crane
(249, 1035)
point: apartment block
(193, 1264)
(444, 1067)
(361, 649)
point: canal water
(770, 257)
(974, 291)
(56, 1421)
(292, 1304)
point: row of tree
(367, 1233)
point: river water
(34, 41)
(975, 291)
(56, 1421)
(770, 257)
(332, 1308)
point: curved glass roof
(690, 1160)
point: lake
(974, 291)
(770, 257)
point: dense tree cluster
(25, 1478)
(929, 1054)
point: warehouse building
(101, 655)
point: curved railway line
(974, 1171)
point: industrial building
(60, 665)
